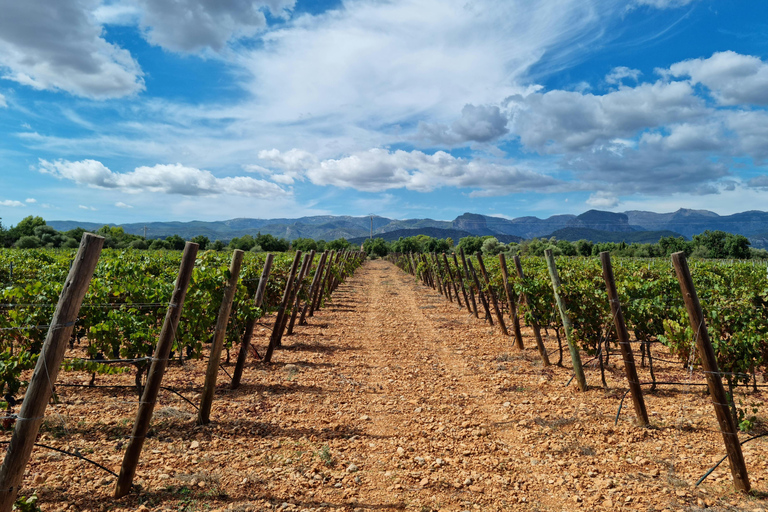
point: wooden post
(436, 268)
(712, 373)
(299, 287)
(453, 281)
(486, 308)
(40, 386)
(492, 294)
(322, 284)
(246, 342)
(413, 263)
(219, 333)
(461, 283)
(281, 309)
(313, 288)
(294, 291)
(511, 301)
(534, 321)
(626, 348)
(567, 325)
(156, 371)
(469, 282)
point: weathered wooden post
(712, 373)
(277, 328)
(323, 283)
(156, 372)
(624, 345)
(492, 294)
(480, 294)
(309, 259)
(316, 279)
(511, 301)
(567, 325)
(46, 371)
(246, 342)
(453, 280)
(534, 321)
(219, 333)
(463, 288)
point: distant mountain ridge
(595, 223)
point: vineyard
(393, 396)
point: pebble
(194, 445)
(351, 468)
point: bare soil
(393, 398)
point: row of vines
(123, 310)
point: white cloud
(166, 179)
(121, 204)
(602, 199)
(664, 4)
(560, 121)
(59, 46)
(84, 207)
(194, 25)
(477, 123)
(378, 169)
(11, 203)
(617, 74)
(30, 200)
(3, 103)
(734, 79)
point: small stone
(419, 460)
(194, 445)
(507, 404)
(400, 451)
(468, 481)
(424, 482)
(337, 485)
(438, 462)
(365, 417)
(418, 410)
(352, 468)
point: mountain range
(595, 225)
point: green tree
(272, 244)
(304, 244)
(201, 240)
(376, 247)
(28, 242)
(340, 244)
(175, 242)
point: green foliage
(26, 504)
(376, 247)
(340, 244)
(201, 240)
(304, 245)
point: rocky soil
(393, 398)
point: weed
(325, 455)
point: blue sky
(138, 110)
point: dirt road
(393, 398)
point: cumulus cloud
(121, 204)
(378, 169)
(734, 79)
(561, 121)
(482, 123)
(30, 200)
(11, 203)
(166, 179)
(603, 199)
(59, 46)
(84, 207)
(619, 73)
(193, 25)
(760, 182)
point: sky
(137, 110)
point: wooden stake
(567, 325)
(461, 283)
(534, 321)
(479, 290)
(492, 294)
(316, 279)
(310, 258)
(453, 281)
(712, 373)
(246, 342)
(277, 328)
(469, 282)
(156, 371)
(511, 302)
(323, 283)
(46, 371)
(219, 333)
(626, 348)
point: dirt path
(393, 398)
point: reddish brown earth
(395, 399)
